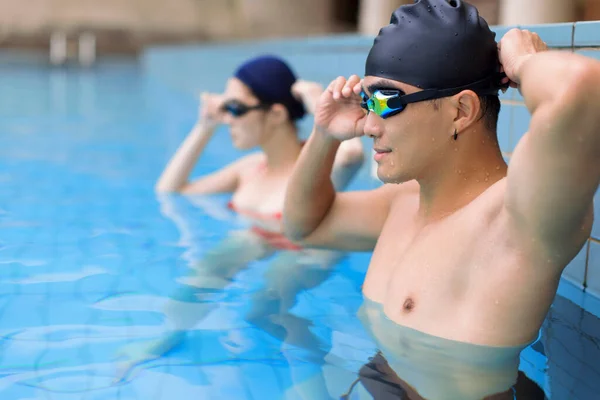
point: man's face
(410, 143)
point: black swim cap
(435, 44)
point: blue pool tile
(565, 313)
(585, 300)
(501, 30)
(508, 95)
(596, 227)
(504, 123)
(518, 96)
(555, 35)
(589, 386)
(520, 124)
(593, 269)
(589, 53)
(591, 304)
(591, 323)
(575, 271)
(587, 33)
(569, 337)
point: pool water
(90, 256)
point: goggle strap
(486, 86)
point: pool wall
(194, 68)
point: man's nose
(373, 125)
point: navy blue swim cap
(436, 44)
(271, 80)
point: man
(464, 247)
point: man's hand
(514, 49)
(339, 113)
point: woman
(261, 105)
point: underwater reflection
(414, 365)
(211, 286)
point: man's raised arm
(314, 214)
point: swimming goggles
(389, 102)
(237, 108)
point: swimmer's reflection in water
(412, 365)
(261, 106)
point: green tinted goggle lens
(384, 103)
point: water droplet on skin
(486, 179)
(498, 167)
(496, 302)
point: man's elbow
(583, 91)
(294, 232)
(580, 102)
(303, 239)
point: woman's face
(247, 130)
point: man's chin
(387, 177)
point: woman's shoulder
(251, 162)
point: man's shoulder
(402, 198)
(394, 194)
(492, 198)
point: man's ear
(467, 107)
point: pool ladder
(60, 50)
